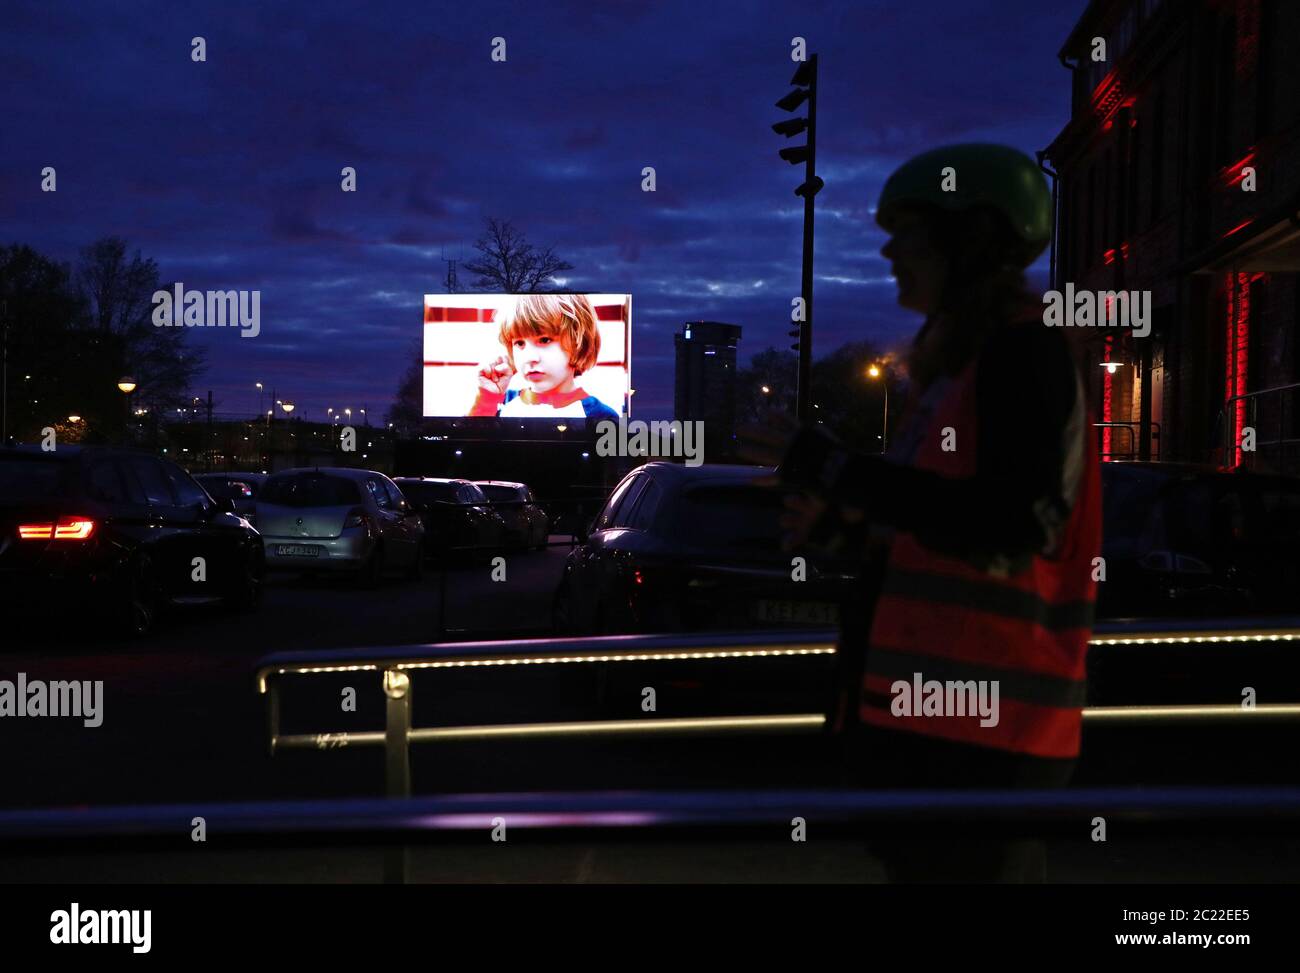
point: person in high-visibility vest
(985, 513)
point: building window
(1133, 180)
(1089, 239)
(1264, 69)
(1157, 156)
(1105, 201)
(1225, 85)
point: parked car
(677, 548)
(339, 520)
(241, 489)
(526, 524)
(1186, 540)
(456, 514)
(119, 531)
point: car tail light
(65, 529)
(356, 518)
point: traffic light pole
(803, 406)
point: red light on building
(1238, 228)
(1233, 174)
(1109, 256)
(1108, 380)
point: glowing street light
(74, 418)
(875, 371)
(126, 384)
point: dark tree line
(74, 330)
(846, 400)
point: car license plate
(797, 612)
(297, 550)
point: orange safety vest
(952, 621)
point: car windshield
(499, 492)
(428, 492)
(34, 478)
(729, 517)
(310, 490)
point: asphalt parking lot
(180, 717)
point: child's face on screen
(542, 362)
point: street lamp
(259, 398)
(74, 418)
(287, 407)
(126, 385)
(875, 371)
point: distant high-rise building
(706, 383)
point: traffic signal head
(803, 74)
(790, 127)
(793, 100)
(794, 154)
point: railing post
(397, 760)
(397, 732)
(273, 713)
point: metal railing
(395, 666)
(1283, 451)
(1134, 431)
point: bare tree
(510, 264)
(117, 293)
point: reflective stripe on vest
(951, 626)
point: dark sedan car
(241, 489)
(526, 523)
(456, 515)
(1184, 540)
(121, 532)
(677, 548)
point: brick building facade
(1179, 174)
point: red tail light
(66, 529)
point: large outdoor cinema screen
(527, 356)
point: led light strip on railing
(630, 655)
(1174, 638)
(1177, 712)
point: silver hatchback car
(336, 519)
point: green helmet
(996, 176)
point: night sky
(228, 172)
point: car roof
(681, 474)
(346, 472)
(431, 479)
(502, 483)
